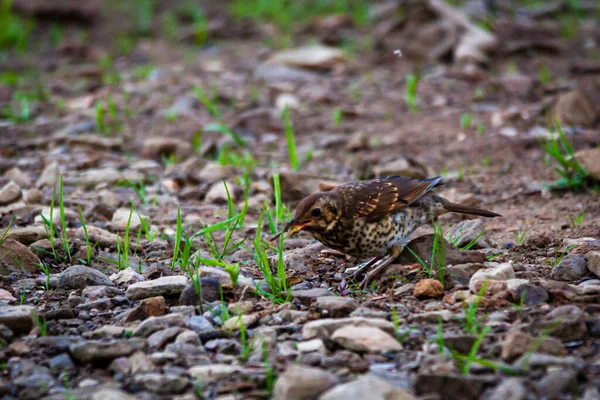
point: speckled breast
(374, 239)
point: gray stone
(466, 232)
(500, 273)
(571, 268)
(213, 372)
(17, 318)
(367, 387)
(303, 383)
(509, 389)
(80, 276)
(451, 386)
(593, 262)
(158, 339)
(165, 286)
(18, 177)
(154, 324)
(336, 306)
(9, 193)
(306, 296)
(365, 339)
(121, 220)
(16, 257)
(91, 351)
(49, 176)
(162, 383)
(556, 382)
(199, 324)
(324, 328)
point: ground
(121, 123)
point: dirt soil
(110, 129)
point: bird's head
(315, 213)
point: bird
(373, 218)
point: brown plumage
(373, 218)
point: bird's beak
(294, 227)
(291, 228)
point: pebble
(9, 193)
(154, 324)
(428, 289)
(93, 351)
(165, 286)
(367, 387)
(365, 339)
(303, 383)
(17, 318)
(324, 328)
(306, 296)
(212, 372)
(495, 278)
(335, 306)
(571, 268)
(81, 276)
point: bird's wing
(374, 199)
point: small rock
(17, 257)
(234, 323)
(501, 273)
(575, 108)
(18, 177)
(126, 276)
(6, 296)
(367, 387)
(210, 292)
(124, 217)
(571, 268)
(589, 160)
(162, 383)
(365, 339)
(311, 346)
(556, 382)
(306, 296)
(217, 193)
(111, 394)
(106, 331)
(451, 386)
(335, 306)
(402, 167)
(17, 318)
(208, 374)
(101, 236)
(241, 307)
(466, 232)
(26, 235)
(311, 57)
(526, 292)
(158, 339)
(509, 389)
(199, 324)
(518, 343)
(49, 176)
(80, 276)
(157, 147)
(165, 286)
(9, 193)
(153, 306)
(593, 262)
(92, 351)
(324, 328)
(428, 289)
(565, 322)
(303, 383)
(539, 360)
(154, 324)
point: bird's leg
(380, 266)
(363, 266)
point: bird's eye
(316, 212)
(334, 210)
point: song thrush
(373, 218)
